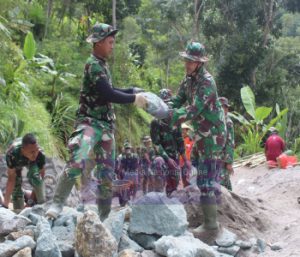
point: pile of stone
(152, 226)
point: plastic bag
(156, 106)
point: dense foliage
(43, 50)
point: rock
(276, 246)
(244, 244)
(115, 222)
(226, 238)
(190, 198)
(148, 253)
(26, 252)
(145, 240)
(15, 235)
(129, 253)
(10, 222)
(127, 243)
(46, 245)
(261, 244)
(157, 214)
(67, 217)
(34, 218)
(232, 250)
(93, 239)
(65, 238)
(183, 246)
(9, 248)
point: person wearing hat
(146, 159)
(92, 144)
(227, 170)
(188, 145)
(169, 145)
(274, 145)
(129, 169)
(197, 101)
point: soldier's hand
(229, 168)
(140, 101)
(172, 164)
(137, 90)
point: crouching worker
(92, 144)
(24, 152)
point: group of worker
(92, 144)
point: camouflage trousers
(92, 148)
(225, 179)
(35, 180)
(92, 157)
(208, 176)
(165, 175)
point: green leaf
(29, 46)
(248, 99)
(262, 112)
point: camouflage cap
(194, 51)
(165, 94)
(127, 145)
(224, 101)
(146, 139)
(101, 31)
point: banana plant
(254, 128)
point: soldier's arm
(41, 162)
(155, 136)
(106, 93)
(112, 95)
(204, 96)
(10, 185)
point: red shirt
(274, 147)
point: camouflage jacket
(15, 159)
(129, 163)
(89, 108)
(169, 142)
(197, 100)
(229, 145)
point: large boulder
(93, 239)
(183, 246)
(10, 222)
(157, 214)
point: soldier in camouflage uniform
(197, 101)
(229, 147)
(129, 169)
(169, 145)
(92, 144)
(146, 159)
(24, 152)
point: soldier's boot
(18, 204)
(208, 231)
(62, 191)
(39, 191)
(104, 207)
(104, 194)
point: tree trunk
(198, 6)
(49, 10)
(114, 19)
(269, 13)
